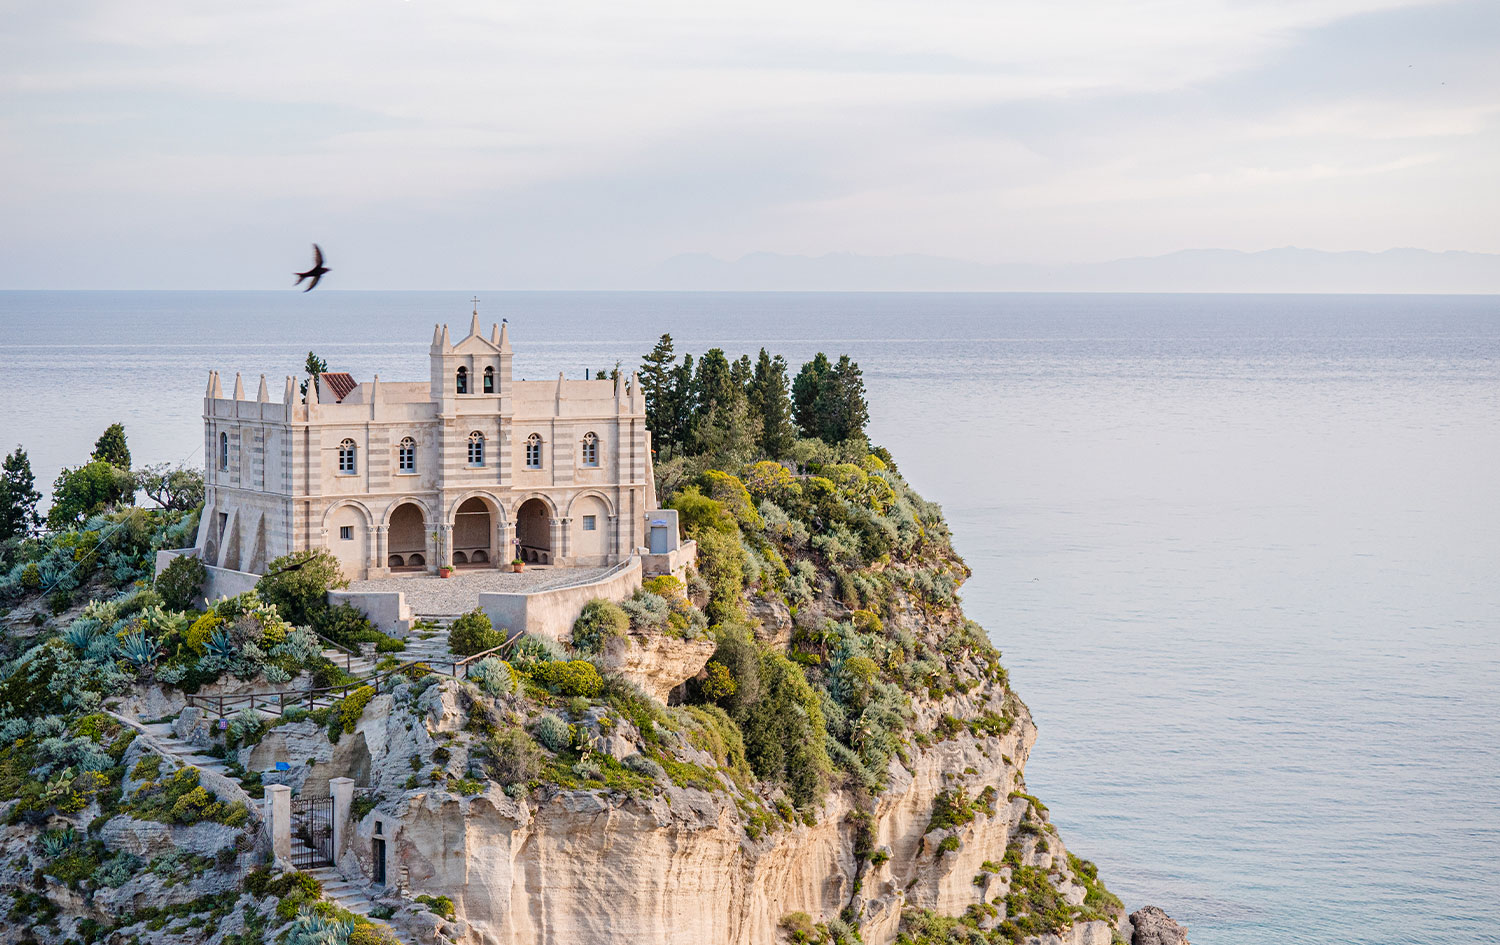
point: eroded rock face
(1154, 927)
(595, 867)
(658, 663)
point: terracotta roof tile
(339, 382)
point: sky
(446, 144)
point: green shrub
(441, 905)
(718, 684)
(297, 584)
(351, 707)
(514, 757)
(473, 633)
(573, 678)
(552, 732)
(600, 622)
(180, 583)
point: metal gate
(312, 825)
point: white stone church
(468, 469)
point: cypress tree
(770, 402)
(659, 387)
(111, 447)
(18, 497)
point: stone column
(278, 810)
(382, 547)
(555, 538)
(342, 790)
(503, 551)
(445, 533)
(614, 538)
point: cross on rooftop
(475, 300)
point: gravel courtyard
(460, 593)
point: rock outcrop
(1154, 927)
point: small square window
(588, 523)
(346, 532)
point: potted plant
(517, 565)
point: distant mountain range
(1193, 270)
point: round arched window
(590, 449)
(534, 451)
(476, 448)
(347, 464)
(462, 384)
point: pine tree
(111, 447)
(829, 399)
(313, 367)
(741, 372)
(805, 392)
(842, 408)
(682, 404)
(769, 400)
(18, 497)
(659, 389)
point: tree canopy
(111, 447)
(737, 411)
(18, 497)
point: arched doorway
(534, 529)
(406, 539)
(473, 535)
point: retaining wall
(386, 609)
(551, 613)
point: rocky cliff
(806, 742)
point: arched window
(534, 451)
(224, 451)
(463, 380)
(489, 380)
(346, 458)
(590, 449)
(476, 448)
(406, 455)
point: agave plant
(81, 634)
(221, 646)
(56, 842)
(312, 929)
(277, 676)
(139, 649)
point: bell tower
(473, 369)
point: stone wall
(386, 609)
(551, 613)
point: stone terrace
(460, 593)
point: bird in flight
(315, 273)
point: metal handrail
(323, 696)
(349, 654)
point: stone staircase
(432, 644)
(347, 895)
(355, 665)
(336, 889)
(184, 751)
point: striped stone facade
(323, 471)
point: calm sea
(1241, 553)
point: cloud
(584, 138)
